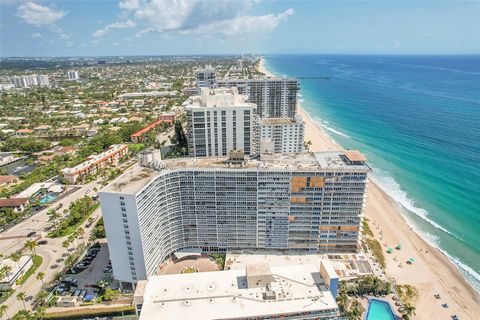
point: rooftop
(220, 98)
(12, 202)
(134, 179)
(225, 294)
(276, 121)
(93, 159)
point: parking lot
(84, 280)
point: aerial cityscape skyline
(238, 160)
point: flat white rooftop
(134, 179)
(225, 295)
(219, 98)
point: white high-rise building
(72, 75)
(281, 135)
(19, 82)
(220, 120)
(42, 80)
(274, 97)
(307, 201)
(206, 77)
(31, 80)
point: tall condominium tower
(206, 77)
(72, 75)
(307, 201)
(280, 135)
(274, 97)
(42, 80)
(219, 120)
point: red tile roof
(13, 202)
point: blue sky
(137, 27)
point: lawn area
(79, 213)
(376, 249)
(37, 262)
(91, 312)
(189, 270)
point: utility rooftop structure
(220, 120)
(292, 292)
(307, 201)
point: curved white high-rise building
(306, 201)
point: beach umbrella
(411, 260)
(389, 250)
(398, 247)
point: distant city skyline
(158, 27)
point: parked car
(54, 266)
(42, 242)
(31, 234)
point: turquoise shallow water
(417, 118)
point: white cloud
(228, 18)
(244, 25)
(129, 4)
(140, 33)
(36, 35)
(65, 36)
(38, 15)
(118, 25)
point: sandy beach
(432, 272)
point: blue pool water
(48, 198)
(379, 310)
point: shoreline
(432, 272)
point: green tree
(408, 311)
(15, 257)
(40, 276)
(3, 311)
(31, 245)
(21, 297)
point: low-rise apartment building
(95, 162)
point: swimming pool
(49, 197)
(379, 310)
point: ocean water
(417, 119)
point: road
(50, 252)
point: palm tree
(102, 284)
(40, 313)
(3, 311)
(31, 245)
(408, 311)
(15, 257)
(57, 276)
(53, 216)
(80, 232)
(40, 276)
(4, 271)
(355, 312)
(21, 297)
